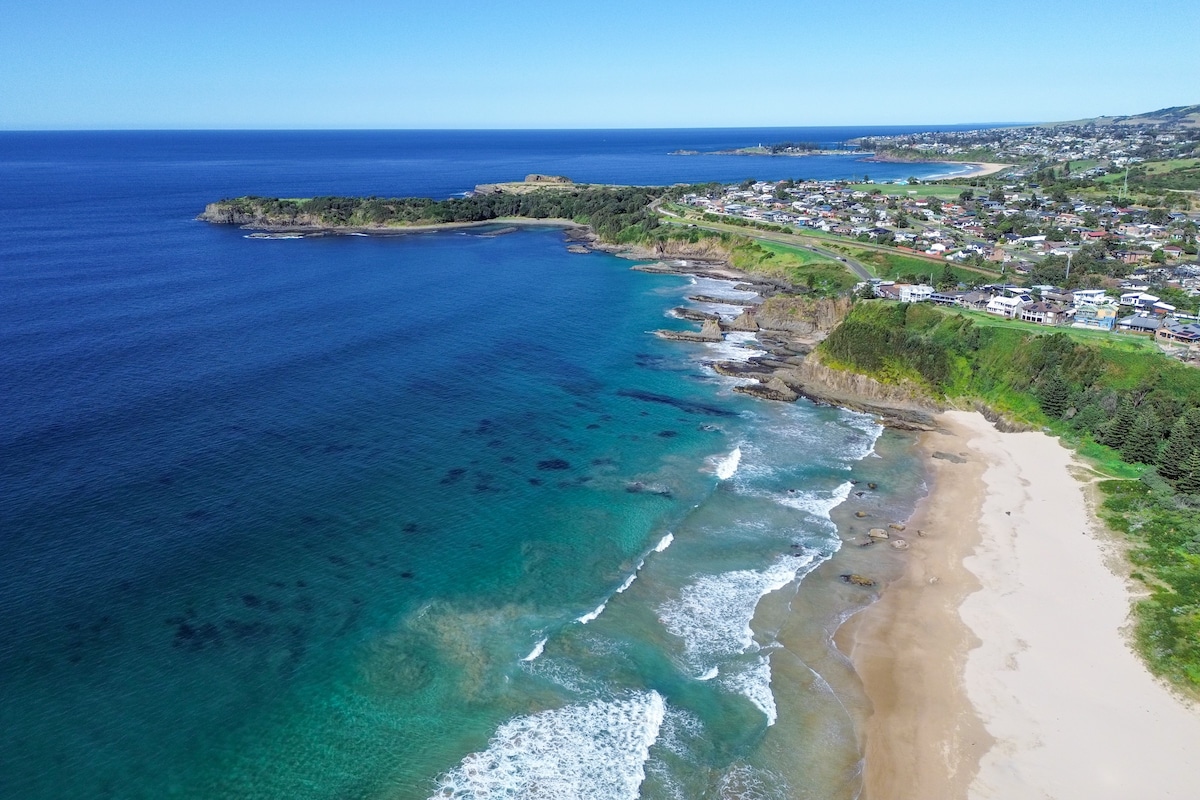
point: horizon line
(512, 129)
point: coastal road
(779, 238)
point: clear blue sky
(620, 63)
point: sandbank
(998, 665)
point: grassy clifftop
(1132, 410)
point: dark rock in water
(951, 457)
(710, 332)
(686, 406)
(683, 312)
(406, 574)
(744, 322)
(872, 486)
(637, 487)
(854, 579)
(593, 426)
(553, 464)
(667, 434)
(774, 389)
(251, 600)
(453, 476)
(535, 481)
(410, 527)
(721, 301)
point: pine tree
(1179, 447)
(1193, 420)
(1055, 394)
(1141, 445)
(1117, 429)
(1189, 482)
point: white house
(1007, 307)
(1089, 296)
(915, 294)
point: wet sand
(998, 665)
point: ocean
(405, 517)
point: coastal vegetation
(621, 216)
(1135, 413)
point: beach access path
(999, 665)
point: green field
(796, 264)
(942, 191)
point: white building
(1007, 307)
(915, 294)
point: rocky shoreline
(789, 326)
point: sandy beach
(978, 170)
(998, 665)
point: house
(1139, 300)
(947, 298)
(915, 294)
(1043, 313)
(1139, 323)
(1179, 333)
(1098, 316)
(1089, 296)
(1007, 307)
(975, 300)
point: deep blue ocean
(404, 517)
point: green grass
(942, 191)
(795, 264)
(1014, 369)
(1116, 341)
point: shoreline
(400, 230)
(979, 169)
(998, 665)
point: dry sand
(1010, 675)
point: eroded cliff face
(815, 375)
(802, 315)
(255, 216)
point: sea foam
(596, 751)
(536, 651)
(819, 504)
(754, 682)
(728, 466)
(712, 614)
(591, 615)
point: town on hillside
(1059, 239)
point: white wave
(819, 504)
(754, 682)
(629, 581)
(736, 346)
(869, 426)
(727, 466)
(719, 287)
(713, 613)
(708, 676)
(596, 751)
(591, 615)
(536, 651)
(356, 233)
(664, 543)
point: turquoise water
(350, 517)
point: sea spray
(727, 467)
